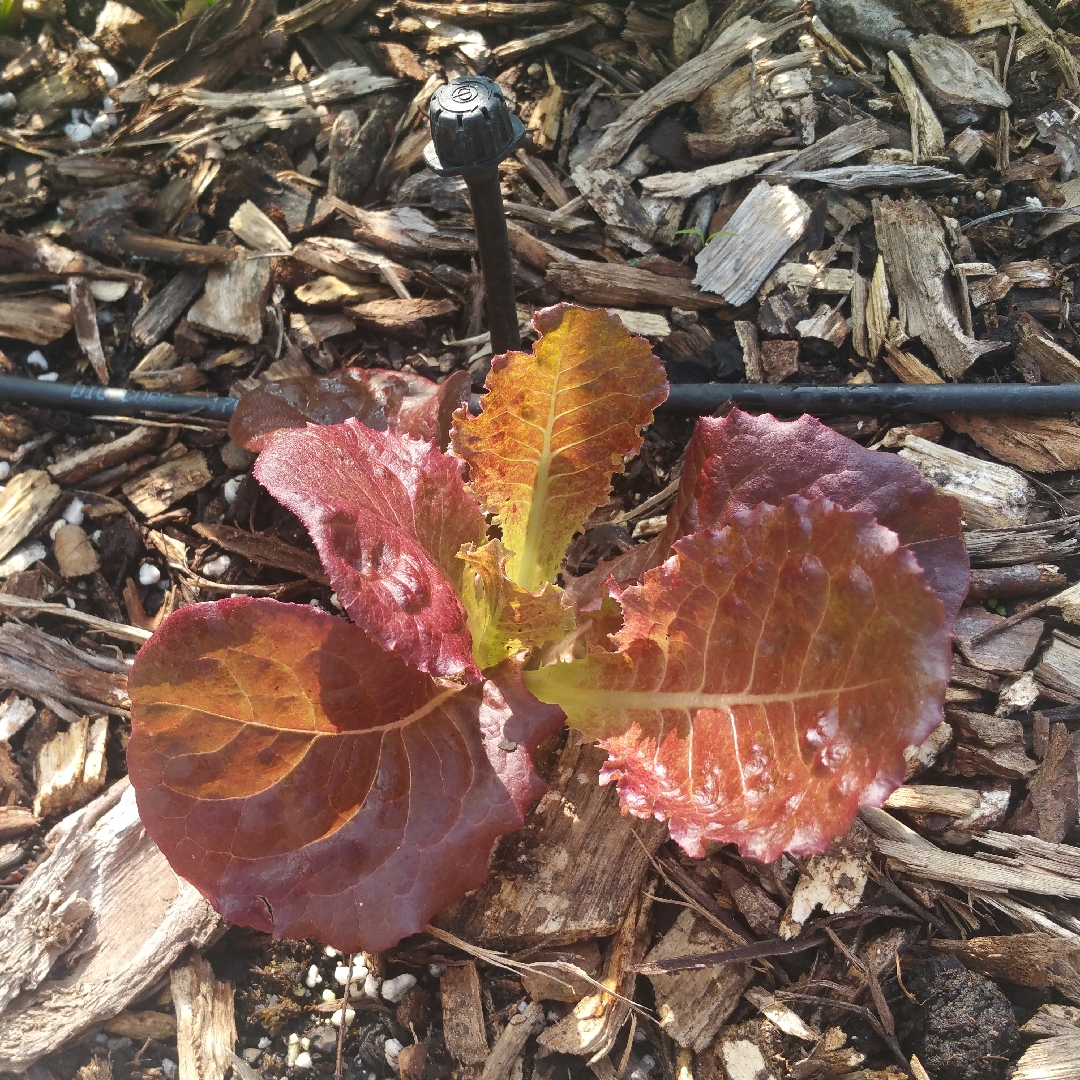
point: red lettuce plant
(776, 649)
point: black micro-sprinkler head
(471, 126)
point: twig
(1012, 620)
(114, 629)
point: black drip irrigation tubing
(693, 399)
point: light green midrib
(529, 573)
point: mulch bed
(770, 192)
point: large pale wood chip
(155, 491)
(1057, 1058)
(684, 184)
(205, 1021)
(39, 320)
(16, 821)
(70, 767)
(404, 317)
(992, 495)
(104, 899)
(911, 239)
(952, 76)
(24, 503)
(233, 301)
(257, 230)
(971, 16)
(927, 136)
(767, 223)
(585, 858)
(693, 1005)
(1059, 668)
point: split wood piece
(687, 82)
(403, 231)
(1010, 582)
(16, 821)
(24, 605)
(513, 50)
(1054, 1020)
(145, 1024)
(333, 290)
(70, 767)
(767, 223)
(951, 75)
(989, 642)
(1040, 444)
(104, 899)
(971, 16)
(342, 82)
(1041, 961)
(685, 184)
(912, 242)
(693, 1005)
(1050, 809)
(348, 260)
(1057, 1057)
(534, 251)
(314, 329)
(1022, 544)
(39, 320)
(747, 333)
(593, 1025)
(934, 799)
(844, 142)
(609, 193)
(503, 1061)
(233, 301)
(780, 1016)
(78, 466)
(205, 1021)
(161, 313)
(967, 872)
(565, 222)
(806, 276)
(1059, 667)
(155, 491)
(75, 555)
(628, 286)
(544, 177)
(927, 136)
(264, 550)
(989, 745)
(356, 148)
(826, 325)
(779, 359)
(570, 874)
(252, 226)
(24, 504)
(84, 316)
(44, 667)
(463, 1014)
(908, 368)
(1055, 363)
(401, 318)
(991, 495)
(178, 380)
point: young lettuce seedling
(755, 672)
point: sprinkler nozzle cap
(471, 126)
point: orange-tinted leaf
(311, 784)
(505, 619)
(767, 680)
(556, 424)
(388, 516)
(735, 462)
(384, 400)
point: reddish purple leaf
(735, 462)
(767, 679)
(310, 784)
(384, 400)
(388, 516)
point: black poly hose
(695, 399)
